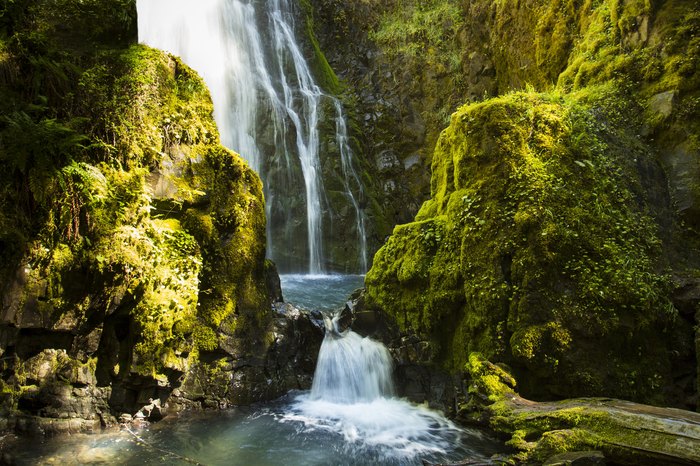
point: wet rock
(411, 161)
(297, 336)
(662, 104)
(577, 458)
(682, 164)
(153, 411)
(272, 282)
(387, 161)
(686, 295)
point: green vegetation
(425, 30)
(322, 70)
(118, 203)
(626, 433)
(549, 241)
(538, 245)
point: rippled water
(291, 431)
(320, 292)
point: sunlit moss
(534, 247)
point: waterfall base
(384, 430)
(291, 431)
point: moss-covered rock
(626, 433)
(411, 64)
(540, 247)
(132, 242)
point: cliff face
(409, 65)
(542, 247)
(133, 243)
(561, 225)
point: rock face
(579, 431)
(133, 277)
(409, 65)
(542, 247)
(457, 279)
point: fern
(44, 144)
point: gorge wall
(553, 224)
(560, 227)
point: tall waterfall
(269, 109)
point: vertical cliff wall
(613, 78)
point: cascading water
(352, 396)
(350, 177)
(349, 418)
(351, 369)
(268, 108)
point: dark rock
(577, 458)
(387, 161)
(686, 295)
(272, 282)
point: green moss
(534, 247)
(489, 380)
(322, 69)
(102, 119)
(422, 29)
(626, 433)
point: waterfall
(351, 369)
(268, 108)
(352, 396)
(350, 176)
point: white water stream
(268, 108)
(352, 396)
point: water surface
(319, 292)
(294, 430)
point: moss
(535, 245)
(422, 29)
(322, 69)
(490, 381)
(626, 433)
(102, 119)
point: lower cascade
(353, 400)
(352, 397)
(351, 369)
(350, 416)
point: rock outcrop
(133, 277)
(409, 65)
(579, 431)
(620, 81)
(542, 246)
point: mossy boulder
(409, 65)
(541, 247)
(625, 433)
(132, 242)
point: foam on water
(391, 427)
